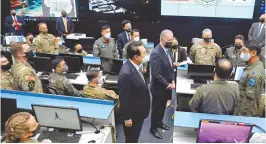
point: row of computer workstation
(64, 118)
(200, 127)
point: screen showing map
(44, 8)
(216, 132)
(209, 8)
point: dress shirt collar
(136, 66)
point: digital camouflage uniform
(250, 89)
(46, 44)
(102, 49)
(25, 78)
(261, 111)
(62, 85)
(6, 80)
(96, 92)
(205, 55)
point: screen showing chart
(44, 8)
(209, 8)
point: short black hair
(105, 27)
(28, 34)
(241, 37)
(223, 68)
(133, 49)
(124, 22)
(253, 45)
(134, 30)
(92, 73)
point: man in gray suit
(257, 31)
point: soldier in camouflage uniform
(252, 81)
(105, 46)
(44, 42)
(6, 77)
(58, 81)
(261, 111)
(92, 90)
(24, 76)
(205, 52)
(79, 50)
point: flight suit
(205, 55)
(6, 80)
(46, 44)
(233, 55)
(103, 49)
(83, 53)
(218, 97)
(250, 88)
(62, 85)
(25, 78)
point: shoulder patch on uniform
(251, 82)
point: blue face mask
(245, 57)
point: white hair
(206, 30)
(165, 32)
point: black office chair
(52, 90)
(45, 82)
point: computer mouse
(92, 141)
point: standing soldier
(45, 42)
(6, 77)
(105, 46)
(252, 81)
(24, 76)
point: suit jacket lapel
(164, 54)
(136, 73)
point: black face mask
(36, 131)
(237, 46)
(13, 14)
(31, 39)
(174, 47)
(207, 39)
(80, 50)
(29, 55)
(262, 20)
(168, 44)
(6, 67)
(64, 15)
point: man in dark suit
(124, 37)
(257, 31)
(162, 81)
(14, 23)
(133, 92)
(64, 24)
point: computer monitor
(10, 39)
(73, 55)
(213, 131)
(62, 118)
(52, 56)
(8, 108)
(200, 72)
(111, 66)
(87, 44)
(70, 43)
(42, 64)
(73, 63)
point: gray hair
(165, 32)
(206, 30)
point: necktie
(141, 74)
(129, 37)
(259, 31)
(65, 24)
(169, 57)
(16, 22)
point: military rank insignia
(31, 85)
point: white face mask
(136, 39)
(145, 59)
(107, 36)
(245, 57)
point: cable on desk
(259, 128)
(97, 130)
(101, 137)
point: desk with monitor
(97, 112)
(186, 123)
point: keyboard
(195, 86)
(71, 75)
(59, 137)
